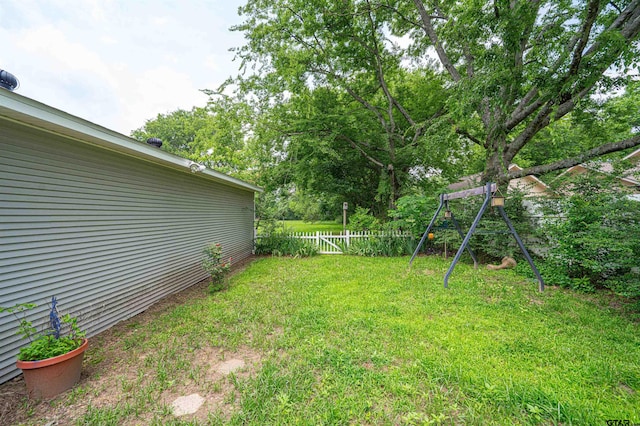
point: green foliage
(213, 135)
(596, 244)
(362, 220)
(322, 226)
(314, 206)
(354, 120)
(271, 207)
(47, 347)
(25, 328)
(382, 245)
(280, 243)
(215, 266)
(357, 112)
(45, 344)
(413, 213)
(591, 124)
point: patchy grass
(350, 340)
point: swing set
(493, 198)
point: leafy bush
(213, 264)
(283, 244)
(362, 220)
(413, 213)
(597, 243)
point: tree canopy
(213, 135)
(348, 114)
(400, 79)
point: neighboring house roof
(25, 110)
(631, 177)
(530, 185)
(634, 156)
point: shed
(107, 224)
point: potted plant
(52, 361)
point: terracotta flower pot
(49, 377)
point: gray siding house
(107, 224)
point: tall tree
(517, 66)
(346, 91)
(513, 67)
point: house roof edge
(29, 112)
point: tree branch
(427, 26)
(362, 151)
(615, 6)
(628, 23)
(524, 109)
(466, 134)
(541, 120)
(592, 14)
(570, 162)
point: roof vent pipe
(8, 81)
(155, 142)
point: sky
(119, 63)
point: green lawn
(301, 226)
(351, 340)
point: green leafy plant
(382, 245)
(283, 244)
(595, 242)
(61, 335)
(362, 220)
(217, 268)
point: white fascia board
(634, 154)
(34, 114)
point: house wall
(108, 234)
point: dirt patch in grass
(216, 385)
(116, 376)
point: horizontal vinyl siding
(106, 233)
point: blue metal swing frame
(487, 190)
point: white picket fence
(328, 243)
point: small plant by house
(215, 266)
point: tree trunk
(394, 187)
(496, 168)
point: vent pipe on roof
(8, 81)
(155, 142)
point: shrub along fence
(364, 243)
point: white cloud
(118, 63)
(159, 21)
(53, 47)
(161, 90)
(108, 40)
